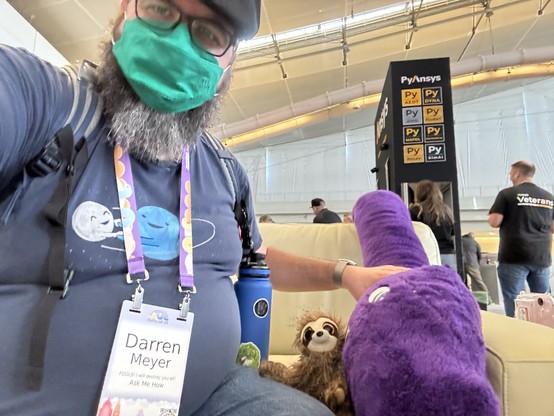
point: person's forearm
(495, 220)
(293, 273)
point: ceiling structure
(341, 45)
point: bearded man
(140, 207)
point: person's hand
(358, 279)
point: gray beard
(143, 132)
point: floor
(495, 308)
(490, 278)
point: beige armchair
(520, 355)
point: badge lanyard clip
(184, 306)
(137, 297)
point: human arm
(293, 273)
(35, 101)
(495, 219)
(496, 213)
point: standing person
(151, 212)
(472, 258)
(525, 215)
(323, 215)
(347, 218)
(429, 208)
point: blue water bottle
(253, 290)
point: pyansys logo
(419, 78)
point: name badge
(147, 364)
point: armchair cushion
(325, 241)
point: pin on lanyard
(131, 233)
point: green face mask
(165, 69)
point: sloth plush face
(320, 335)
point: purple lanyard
(129, 223)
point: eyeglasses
(207, 34)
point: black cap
(317, 202)
(244, 15)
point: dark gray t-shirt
(526, 229)
(36, 101)
(326, 216)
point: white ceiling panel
(253, 100)
(307, 87)
(53, 24)
(102, 12)
(244, 77)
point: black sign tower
(414, 133)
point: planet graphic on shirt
(92, 221)
(159, 231)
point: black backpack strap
(241, 214)
(227, 160)
(47, 161)
(58, 153)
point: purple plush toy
(415, 345)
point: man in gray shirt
(472, 257)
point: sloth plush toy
(319, 371)
(414, 345)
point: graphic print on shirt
(159, 228)
(159, 233)
(530, 201)
(94, 222)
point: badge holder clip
(138, 295)
(184, 306)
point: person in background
(525, 215)
(347, 218)
(152, 182)
(322, 214)
(472, 258)
(266, 218)
(430, 209)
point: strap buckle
(67, 278)
(182, 289)
(144, 278)
(47, 161)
